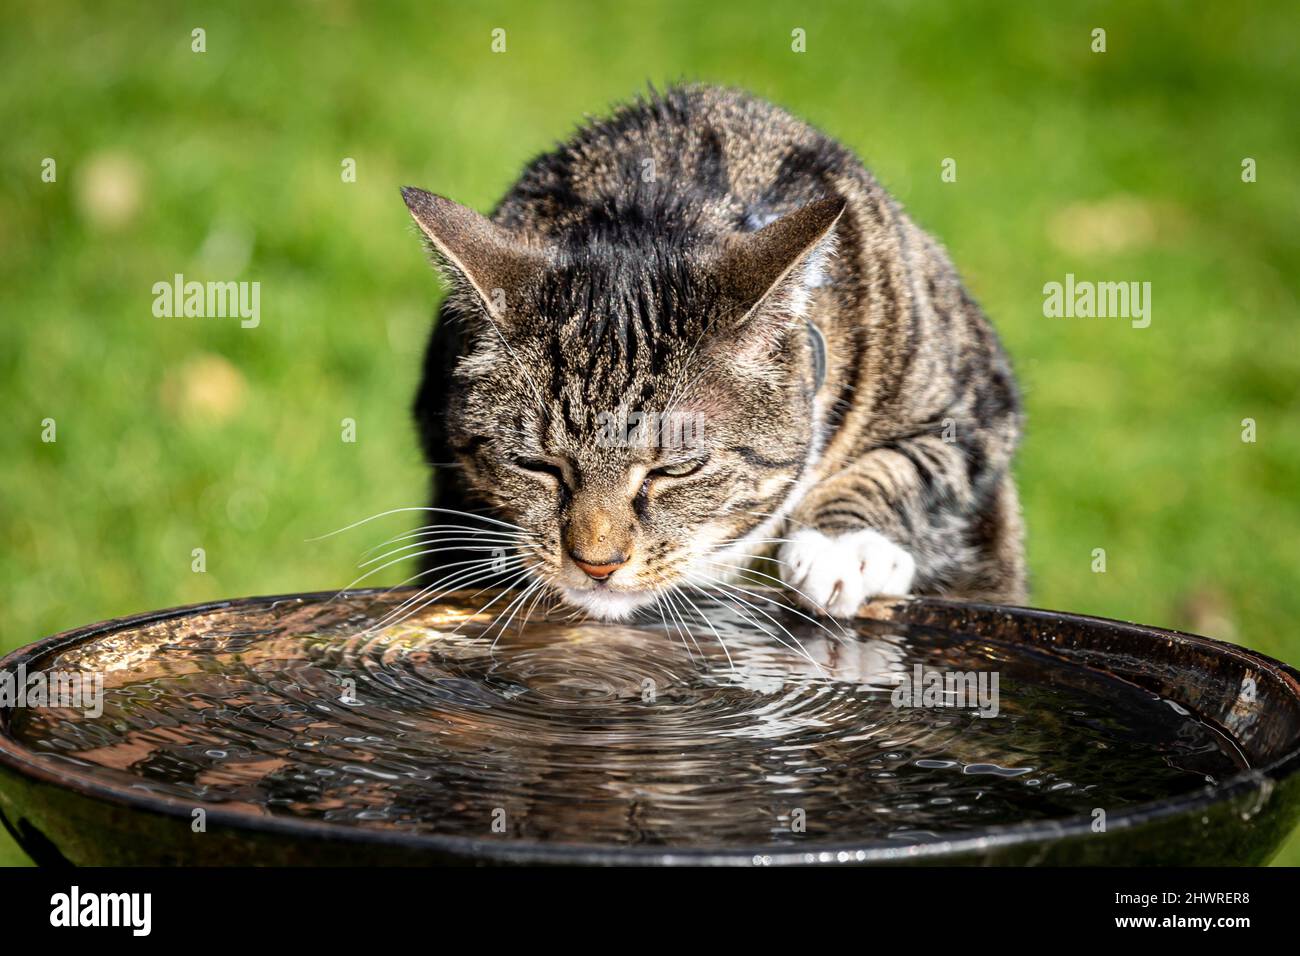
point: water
(602, 734)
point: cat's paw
(837, 575)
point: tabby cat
(700, 330)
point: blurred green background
(175, 434)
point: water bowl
(329, 729)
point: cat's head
(640, 405)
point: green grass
(175, 434)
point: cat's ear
(754, 267)
(489, 259)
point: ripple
(605, 734)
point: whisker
(541, 593)
(431, 529)
(662, 592)
(669, 595)
(790, 608)
(404, 557)
(394, 511)
(504, 622)
(661, 604)
(504, 590)
(798, 645)
(474, 572)
(721, 643)
(453, 545)
(459, 586)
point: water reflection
(717, 734)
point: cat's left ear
(754, 267)
(491, 260)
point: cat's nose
(599, 570)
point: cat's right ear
(754, 266)
(489, 259)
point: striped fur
(666, 259)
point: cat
(702, 258)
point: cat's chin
(607, 605)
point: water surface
(721, 734)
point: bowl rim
(1256, 780)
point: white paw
(836, 575)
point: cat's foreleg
(836, 574)
(879, 527)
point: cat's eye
(540, 466)
(678, 469)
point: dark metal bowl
(69, 815)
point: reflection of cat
(702, 254)
(870, 664)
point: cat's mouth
(607, 604)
